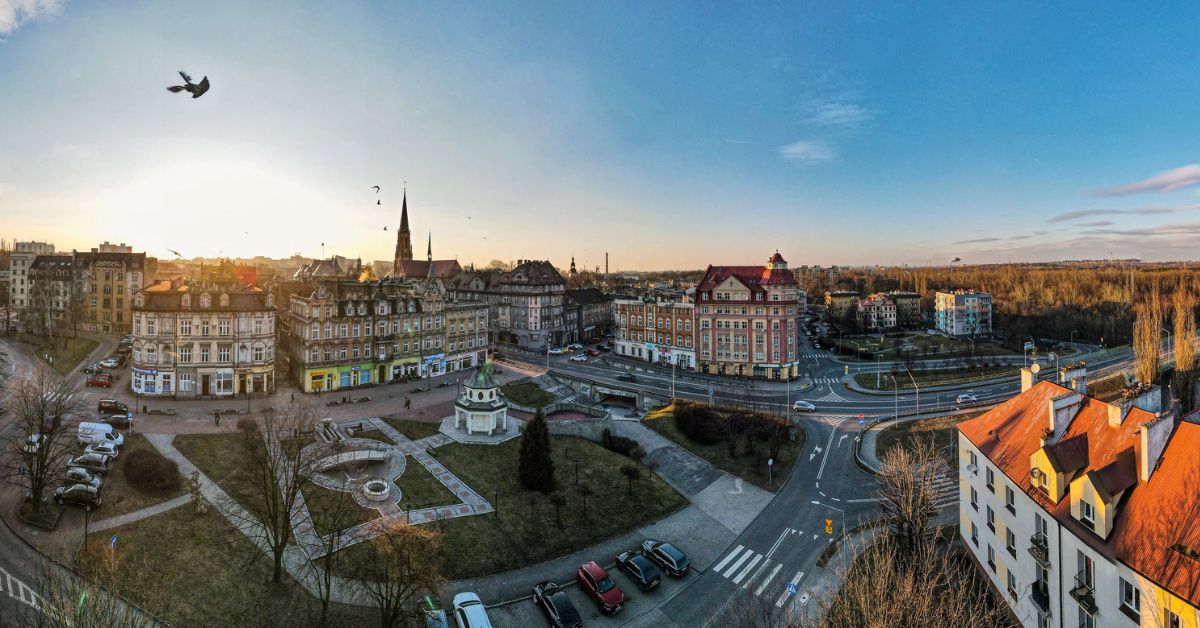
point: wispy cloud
(978, 241)
(729, 141)
(1097, 223)
(835, 113)
(14, 13)
(1168, 181)
(1144, 211)
(806, 152)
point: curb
(858, 441)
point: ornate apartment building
(876, 312)
(1081, 512)
(346, 333)
(109, 280)
(657, 328)
(747, 321)
(525, 303)
(202, 340)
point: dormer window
(140, 300)
(349, 310)
(224, 300)
(1087, 513)
(205, 301)
(186, 300)
(362, 309)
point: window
(151, 355)
(1131, 600)
(1087, 512)
(150, 326)
(974, 534)
(223, 354)
(991, 558)
(185, 356)
(991, 519)
(1012, 585)
(258, 326)
(991, 479)
(203, 328)
(204, 355)
(223, 326)
(258, 354)
(1086, 620)
(1010, 500)
(1170, 619)
(185, 327)
(1011, 544)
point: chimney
(1074, 376)
(1154, 436)
(1148, 397)
(1061, 410)
(1028, 379)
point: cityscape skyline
(568, 132)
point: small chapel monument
(481, 408)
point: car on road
(639, 569)
(92, 369)
(804, 406)
(96, 463)
(626, 377)
(593, 352)
(579, 358)
(605, 348)
(966, 398)
(556, 606)
(667, 556)
(104, 449)
(115, 420)
(469, 611)
(102, 380)
(110, 362)
(816, 345)
(598, 585)
(77, 475)
(556, 351)
(575, 346)
(111, 406)
(82, 494)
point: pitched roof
(754, 277)
(440, 268)
(588, 296)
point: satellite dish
(1035, 367)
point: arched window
(224, 300)
(187, 300)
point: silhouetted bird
(175, 252)
(957, 259)
(385, 227)
(195, 89)
(376, 188)
(379, 202)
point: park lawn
(120, 496)
(222, 458)
(66, 354)
(420, 489)
(935, 377)
(373, 435)
(924, 346)
(324, 505)
(527, 394)
(662, 420)
(938, 431)
(414, 430)
(196, 570)
(524, 531)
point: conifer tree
(535, 467)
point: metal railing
(1039, 548)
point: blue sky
(672, 135)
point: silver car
(79, 475)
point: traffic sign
(829, 526)
(861, 422)
(770, 461)
(792, 588)
(113, 542)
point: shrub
(247, 424)
(619, 444)
(148, 471)
(700, 423)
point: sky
(670, 135)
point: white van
(92, 433)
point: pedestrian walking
(407, 403)
(293, 397)
(216, 418)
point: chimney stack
(1154, 435)
(1062, 410)
(1074, 376)
(1028, 379)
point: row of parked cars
(645, 567)
(83, 481)
(95, 372)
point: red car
(100, 379)
(598, 585)
(593, 352)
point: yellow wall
(1055, 482)
(1082, 489)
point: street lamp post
(1071, 339)
(895, 397)
(916, 387)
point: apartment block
(657, 329)
(841, 304)
(963, 313)
(875, 313)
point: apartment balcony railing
(1041, 598)
(1039, 548)
(1084, 592)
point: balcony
(1084, 592)
(1039, 548)
(1041, 598)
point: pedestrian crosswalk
(756, 571)
(814, 355)
(945, 491)
(826, 380)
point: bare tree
(1184, 320)
(67, 600)
(406, 563)
(334, 515)
(277, 464)
(746, 610)
(907, 494)
(1147, 334)
(41, 445)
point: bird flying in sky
(376, 188)
(957, 259)
(195, 89)
(175, 252)
(379, 202)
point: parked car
(667, 556)
(91, 369)
(804, 406)
(598, 585)
(111, 362)
(103, 380)
(966, 398)
(115, 420)
(90, 433)
(124, 351)
(78, 475)
(575, 346)
(593, 352)
(111, 406)
(579, 357)
(82, 494)
(556, 606)
(605, 348)
(96, 463)
(627, 377)
(556, 351)
(104, 449)
(639, 569)
(469, 611)
(816, 345)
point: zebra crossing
(945, 491)
(826, 380)
(748, 568)
(814, 355)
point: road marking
(842, 439)
(787, 590)
(728, 558)
(826, 458)
(18, 589)
(767, 581)
(757, 572)
(862, 501)
(817, 449)
(836, 499)
(746, 571)
(737, 564)
(779, 540)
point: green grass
(120, 496)
(527, 394)
(937, 431)
(67, 353)
(332, 510)
(420, 489)
(662, 421)
(414, 430)
(525, 531)
(222, 458)
(935, 377)
(924, 346)
(194, 570)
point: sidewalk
(866, 452)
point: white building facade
(963, 313)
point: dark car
(91, 370)
(111, 406)
(667, 556)
(115, 420)
(76, 475)
(83, 494)
(605, 348)
(626, 377)
(639, 569)
(98, 464)
(598, 585)
(556, 606)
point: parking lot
(637, 611)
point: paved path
(148, 511)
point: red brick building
(747, 320)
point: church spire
(429, 249)
(403, 237)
